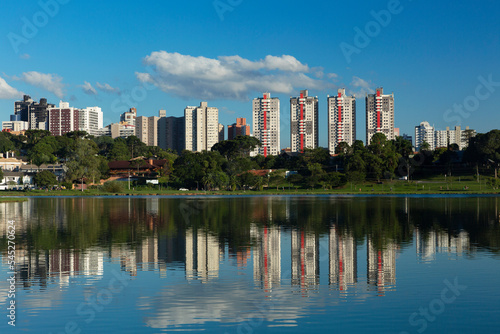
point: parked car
(183, 189)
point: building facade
(424, 133)
(341, 119)
(240, 128)
(129, 116)
(379, 115)
(91, 120)
(445, 138)
(172, 133)
(14, 126)
(146, 129)
(304, 122)
(222, 134)
(266, 124)
(201, 127)
(63, 119)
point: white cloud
(88, 89)
(50, 82)
(361, 87)
(25, 56)
(107, 88)
(228, 77)
(8, 92)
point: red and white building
(379, 115)
(266, 124)
(304, 122)
(341, 119)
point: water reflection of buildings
(432, 242)
(305, 259)
(267, 256)
(58, 263)
(343, 259)
(202, 255)
(381, 265)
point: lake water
(315, 264)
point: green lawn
(435, 185)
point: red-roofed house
(148, 167)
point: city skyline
(203, 125)
(157, 71)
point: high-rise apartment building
(202, 127)
(172, 133)
(445, 138)
(146, 129)
(63, 119)
(91, 120)
(129, 116)
(266, 124)
(341, 119)
(37, 115)
(304, 122)
(22, 109)
(240, 128)
(379, 115)
(222, 134)
(424, 133)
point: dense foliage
(229, 165)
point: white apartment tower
(202, 127)
(341, 119)
(304, 122)
(91, 120)
(146, 129)
(379, 115)
(266, 124)
(424, 132)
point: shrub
(112, 187)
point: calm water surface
(318, 264)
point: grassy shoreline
(435, 186)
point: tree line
(229, 164)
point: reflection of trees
(80, 223)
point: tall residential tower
(379, 115)
(266, 124)
(304, 122)
(341, 119)
(202, 127)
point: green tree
(403, 147)
(240, 147)
(484, 148)
(33, 136)
(425, 146)
(6, 144)
(42, 153)
(83, 162)
(136, 146)
(119, 150)
(45, 179)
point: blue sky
(435, 56)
